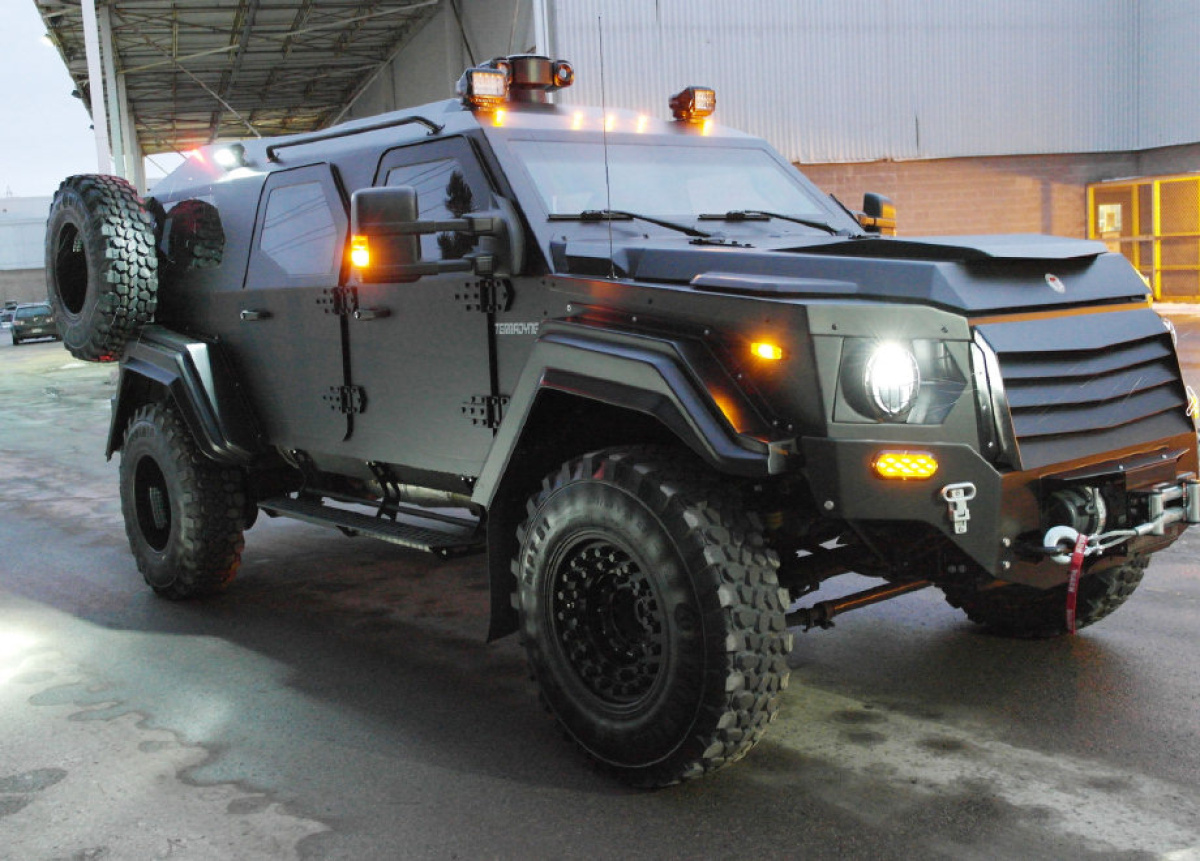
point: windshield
(662, 180)
(27, 311)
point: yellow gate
(1155, 223)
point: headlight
(892, 379)
(882, 380)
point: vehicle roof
(396, 128)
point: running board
(405, 532)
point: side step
(447, 542)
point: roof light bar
(693, 104)
(526, 78)
(483, 88)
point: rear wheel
(651, 615)
(1022, 611)
(183, 513)
(101, 265)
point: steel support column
(91, 40)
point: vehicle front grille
(1082, 385)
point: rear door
(419, 351)
(287, 342)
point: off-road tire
(190, 234)
(101, 265)
(1022, 611)
(183, 513)
(651, 614)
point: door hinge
(342, 301)
(487, 295)
(348, 400)
(485, 410)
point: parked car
(6, 317)
(35, 320)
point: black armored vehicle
(666, 384)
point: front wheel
(183, 513)
(651, 614)
(1022, 611)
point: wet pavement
(340, 702)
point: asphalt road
(340, 702)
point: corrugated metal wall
(1168, 88)
(23, 232)
(427, 67)
(849, 80)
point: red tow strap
(1073, 580)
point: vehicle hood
(971, 274)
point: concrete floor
(339, 702)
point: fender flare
(198, 379)
(669, 380)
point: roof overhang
(197, 71)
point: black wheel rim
(608, 621)
(153, 503)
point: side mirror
(387, 218)
(878, 215)
(377, 219)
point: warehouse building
(1074, 117)
(22, 228)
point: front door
(418, 351)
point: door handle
(371, 313)
(250, 315)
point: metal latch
(485, 410)
(487, 295)
(348, 400)
(956, 497)
(342, 301)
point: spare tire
(101, 265)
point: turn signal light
(360, 252)
(766, 350)
(904, 465)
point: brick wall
(995, 194)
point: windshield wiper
(763, 215)
(621, 215)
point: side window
(192, 235)
(442, 193)
(298, 230)
(301, 230)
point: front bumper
(1000, 521)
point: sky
(45, 133)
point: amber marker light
(904, 465)
(767, 351)
(360, 252)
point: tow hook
(1166, 504)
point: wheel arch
(582, 391)
(195, 376)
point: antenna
(612, 266)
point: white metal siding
(23, 232)
(1168, 87)
(848, 80)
